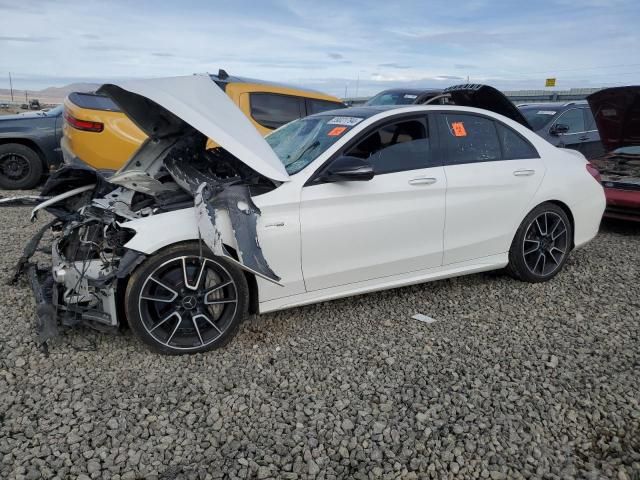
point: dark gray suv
(566, 125)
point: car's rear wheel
(186, 300)
(20, 167)
(541, 245)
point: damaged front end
(172, 170)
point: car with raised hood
(29, 147)
(99, 134)
(617, 115)
(565, 125)
(183, 241)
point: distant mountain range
(48, 95)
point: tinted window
(393, 98)
(538, 117)
(93, 101)
(590, 122)
(395, 147)
(573, 119)
(470, 139)
(317, 106)
(273, 111)
(514, 146)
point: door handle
(524, 173)
(584, 138)
(423, 181)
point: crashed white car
(183, 242)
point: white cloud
(326, 43)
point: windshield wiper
(310, 147)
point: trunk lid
(167, 108)
(487, 98)
(617, 114)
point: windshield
(300, 142)
(393, 98)
(538, 117)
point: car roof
(224, 79)
(366, 111)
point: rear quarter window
(514, 146)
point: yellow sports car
(97, 133)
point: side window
(396, 147)
(589, 121)
(514, 146)
(272, 110)
(573, 119)
(470, 139)
(317, 106)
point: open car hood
(487, 98)
(617, 114)
(169, 107)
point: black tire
(172, 317)
(21, 167)
(541, 245)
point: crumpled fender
(211, 197)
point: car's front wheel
(186, 300)
(541, 245)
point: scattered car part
(423, 318)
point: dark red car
(617, 114)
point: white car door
(392, 224)
(492, 174)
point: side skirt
(493, 262)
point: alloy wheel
(546, 244)
(14, 166)
(188, 302)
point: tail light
(594, 172)
(84, 125)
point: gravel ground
(512, 381)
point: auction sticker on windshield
(346, 121)
(336, 131)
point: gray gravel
(512, 381)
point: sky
(354, 47)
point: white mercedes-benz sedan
(184, 241)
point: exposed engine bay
(619, 170)
(90, 259)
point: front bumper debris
(70, 294)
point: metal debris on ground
(423, 318)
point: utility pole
(11, 86)
(357, 84)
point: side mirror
(559, 129)
(348, 169)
